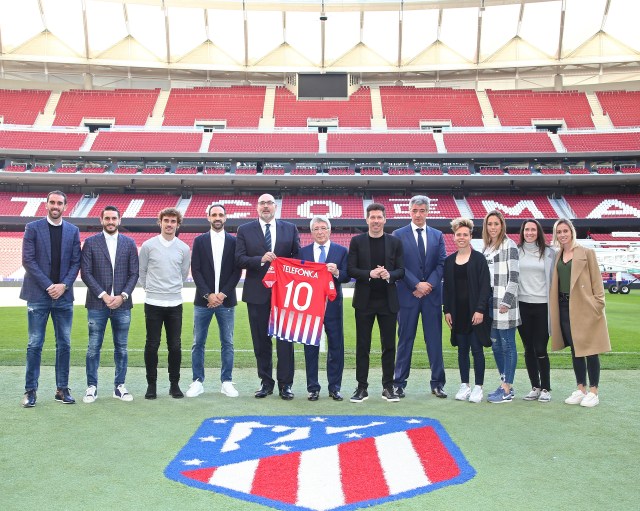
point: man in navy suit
(258, 243)
(322, 250)
(375, 261)
(216, 275)
(51, 259)
(420, 293)
(109, 268)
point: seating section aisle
(622, 107)
(606, 142)
(41, 140)
(440, 206)
(31, 204)
(138, 141)
(405, 107)
(129, 107)
(22, 106)
(264, 142)
(529, 206)
(604, 206)
(381, 143)
(533, 142)
(332, 206)
(239, 106)
(352, 113)
(134, 206)
(521, 107)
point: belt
(563, 297)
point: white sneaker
(590, 400)
(545, 396)
(464, 392)
(532, 395)
(228, 389)
(476, 394)
(91, 394)
(195, 389)
(121, 393)
(575, 398)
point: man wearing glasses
(258, 243)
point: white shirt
(415, 228)
(217, 247)
(112, 246)
(316, 250)
(272, 230)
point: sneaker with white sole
(545, 396)
(228, 389)
(464, 392)
(500, 397)
(90, 395)
(575, 398)
(476, 394)
(590, 400)
(195, 389)
(533, 394)
(121, 393)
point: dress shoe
(29, 400)
(285, 393)
(174, 391)
(314, 395)
(439, 392)
(263, 391)
(63, 396)
(151, 391)
(335, 395)
(399, 391)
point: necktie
(323, 255)
(267, 237)
(421, 251)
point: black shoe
(313, 395)
(439, 392)
(285, 393)
(389, 395)
(29, 400)
(359, 395)
(151, 391)
(63, 396)
(263, 391)
(399, 391)
(335, 395)
(174, 391)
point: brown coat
(586, 306)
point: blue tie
(421, 251)
(267, 237)
(323, 255)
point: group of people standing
(399, 279)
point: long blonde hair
(503, 229)
(569, 224)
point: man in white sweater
(164, 266)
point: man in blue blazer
(216, 275)
(258, 243)
(322, 250)
(51, 259)
(109, 267)
(420, 293)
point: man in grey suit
(109, 268)
(51, 259)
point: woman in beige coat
(576, 306)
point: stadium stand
(579, 170)
(529, 206)
(440, 206)
(517, 170)
(154, 169)
(605, 142)
(41, 140)
(629, 169)
(550, 170)
(371, 170)
(400, 170)
(604, 206)
(238, 106)
(94, 169)
(353, 113)
(186, 169)
(237, 206)
(381, 143)
(141, 141)
(273, 170)
(129, 107)
(10, 254)
(429, 170)
(505, 142)
(523, 107)
(405, 107)
(127, 169)
(622, 107)
(134, 206)
(341, 170)
(67, 168)
(304, 170)
(246, 170)
(264, 143)
(16, 167)
(22, 106)
(491, 170)
(31, 204)
(333, 206)
(215, 169)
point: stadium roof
(490, 43)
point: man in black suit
(376, 262)
(216, 275)
(258, 243)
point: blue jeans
(505, 353)
(61, 312)
(97, 321)
(201, 320)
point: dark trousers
(534, 332)
(364, 327)
(334, 330)
(471, 342)
(581, 365)
(263, 348)
(155, 318)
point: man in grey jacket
(164, 266)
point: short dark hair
(376, 206)
(216, 205)
(57, 192)
(110, 208)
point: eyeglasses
(320, 229)
(266, 203)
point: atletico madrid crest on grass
(320, 463)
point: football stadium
(530, 108)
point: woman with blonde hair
(502, 257)
(576, 306)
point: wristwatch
(124, 296)
(206, 297)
